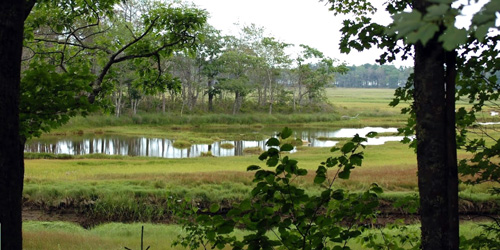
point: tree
(428, 31)
(314, 72)
(61, 36)
(236, 66)
(12, 14)
(207, 57)
(275, 60)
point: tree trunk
(11, 148)
(163, 102)
(436, 145)
(235, 104)
(271, 92)
(211, 83)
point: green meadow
(114, 236)
(107, 191)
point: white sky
(295, 21)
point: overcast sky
(293, 21)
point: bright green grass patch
(64, 235)
(392, 166)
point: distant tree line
(373, 76)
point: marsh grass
(181, 144)
(65, 235)
(227, 146)
(138, 188)
(252, 150)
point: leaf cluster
(281, 215)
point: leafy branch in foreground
(282, 215)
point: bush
(280, 208)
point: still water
(163, 147)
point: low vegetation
(100, 189)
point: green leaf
(320, 178)
(226, 227)
(436, 12)
(246, 205)
(423, 34)
(405, 23)
(482, 30)
(356, 159)
(302, 172)
(371, 134)
(453, 37)
(271, 162)
(338, 194)
(214, 208)
(253, 168)
(263, 156)
(348, 147)
(234, 212)
(286, 147)
(286, 133)
(273, 142)
(345, 174)
(375, 188)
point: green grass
(137, 188)
(65, 235)
(370, 104)
(140, 188)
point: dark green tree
(60, 78)
(427, 30)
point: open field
(95, 190)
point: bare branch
(74, 44)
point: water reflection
(163, 147)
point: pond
(164, 147)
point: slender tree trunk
(236, 99)
(271, 92)
(434, 96)
(163, 103)
(211, 83)
(11, 148)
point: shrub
(280, 208)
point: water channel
(163, 147)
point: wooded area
(83, 56)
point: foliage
(75, 47)
(373, 76)
(281, 214)
(396, 236)
(314, 73)
(490, 235)
(428, 30)
(37, 114)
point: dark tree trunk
(11, 149)
(436, 143)
(211, 95)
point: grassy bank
(369, 106)
(63, 235)
(102, 188)
(140, 188)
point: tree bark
(434, 105)
(12, 13)
(211, 84)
